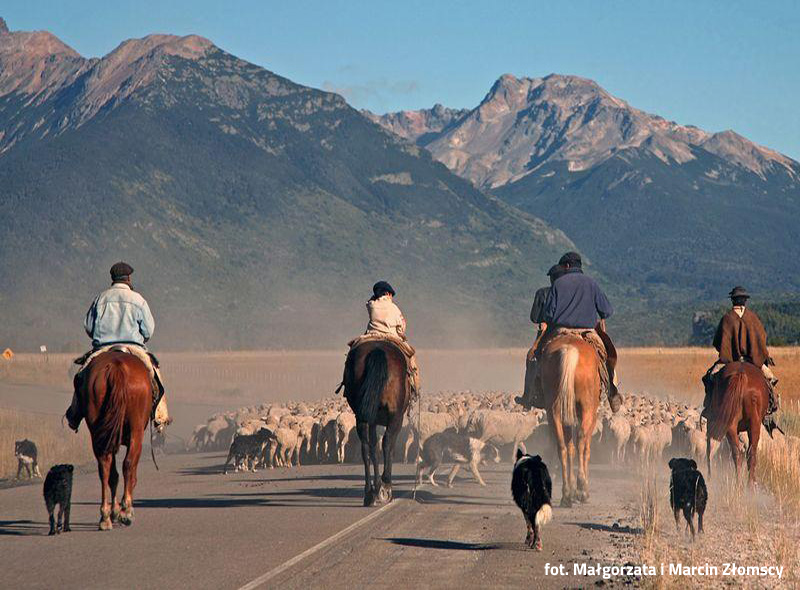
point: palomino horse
(571, 384)
(738, 404)
(115, 395)
(377, 388)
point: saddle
(120, 347)
(403, 345)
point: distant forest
(781, 320)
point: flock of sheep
(645, 429)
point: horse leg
(129, 467)
(373, 457)
(113, 480)
(104, 470)
(754, 434)
(736, 452)
(389, 438)
(584, 451)
(362, 428)
(571, 465)
(558, 431)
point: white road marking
(319, 546)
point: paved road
(197, 528)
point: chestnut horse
(115, 395)
(571, 384)
(377, 387)
(738, 404)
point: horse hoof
(538, 546)
(384, 494)
(126, 519)
(369, 499)
(583, 496)
(105, 525)
(566, 502)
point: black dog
(687, 492)
(532, 489)
(26, 453)
(58, 490)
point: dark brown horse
(571, 384)
(738, 404)
(115, 395)
(377, 388)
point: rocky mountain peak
(3, 26)
(523, 123)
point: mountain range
(257, 212)
(672, 212)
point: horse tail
(569, 356)
(107, 436)
(376, 373)
(731, 403)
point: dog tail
(544, 515)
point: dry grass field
(56, 444)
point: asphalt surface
(195, 527)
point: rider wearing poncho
(120, 317)
(740, 335)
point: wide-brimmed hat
(737, 292)
(382, 287)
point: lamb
(619, 432)
(345, 424)
(501, 428)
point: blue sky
(718, 65)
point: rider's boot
(614, 396)
(73, 417)
(769, 421)
(707, 383)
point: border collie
(532, 489)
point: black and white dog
(28, 457)
(532, 489)
(687, 492)
(58, 490)
(451, 445)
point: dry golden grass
(56, 444)
(677, 371)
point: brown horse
(377, 387)
(738, 404)
(115, 395)
(571, 384)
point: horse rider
(533, 396)
(119, 316)
(740, 335)
(386, 322)
(573, 307)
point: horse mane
(376, 373)
(107, 434)
(568, 357)
(730, 405)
